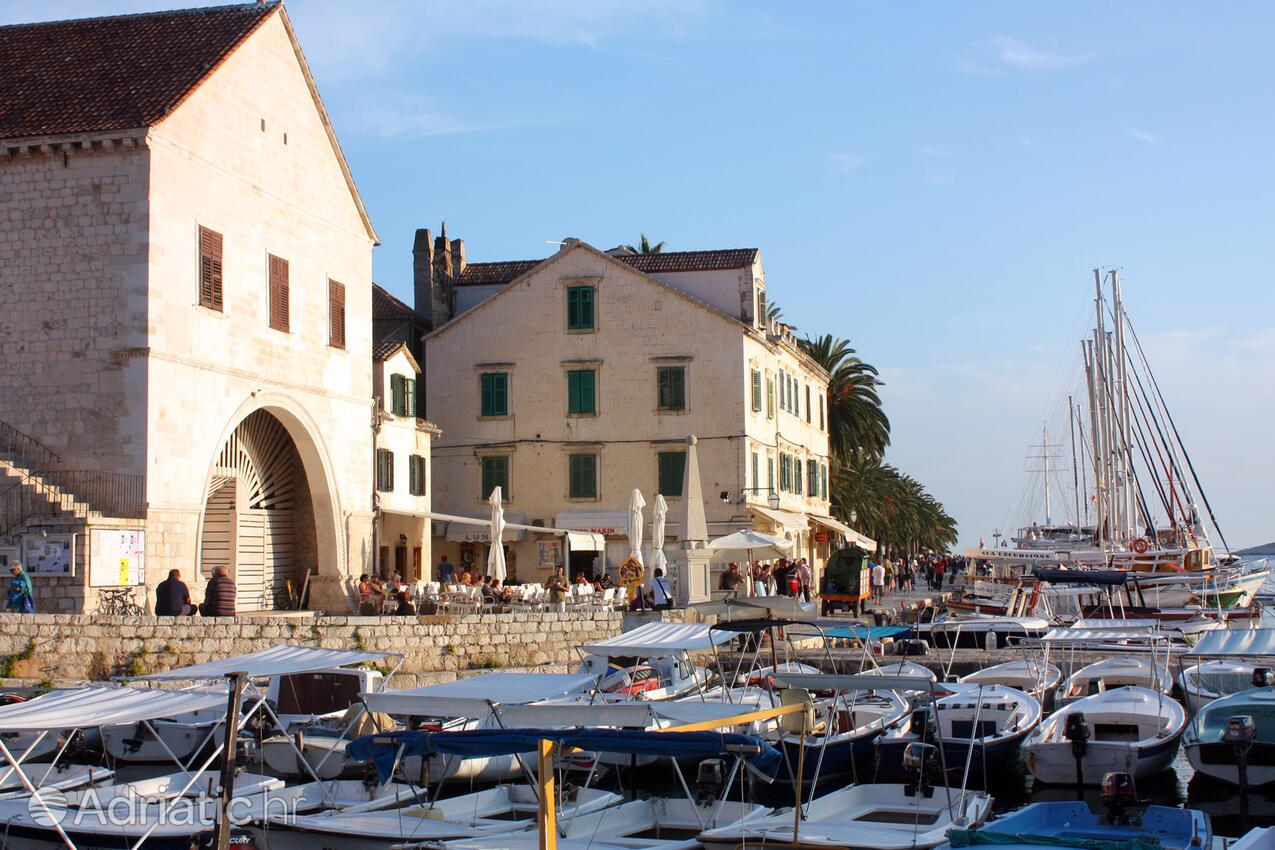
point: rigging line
(1191, 466)
(1146, 460)
(1167, 463)
(1127, 450)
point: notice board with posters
(117, 557)
(549, 554)
(49, 555)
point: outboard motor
(1077, 731)
(1240, 733)
(1118, 795)
(710, 779)
(921, 760)
(1263, 677)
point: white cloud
(1145, 137)
(402, 115)
(1024, 57)
(845, 163)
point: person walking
(729, 581)
(660, 593)
(558, 588)
(21, 591)
(172, 597)
(804, 578)
(219, 596)
(878, 580)
(446, 571)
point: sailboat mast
(1095, 440)
(1127, 445)
(1075, 470)
(1044, 451)
(1103, 432)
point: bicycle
(118, 602)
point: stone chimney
(422, 271)
(437, 265)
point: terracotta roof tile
(382, 350)
(386, 306)
(477, 274)
(115, 73)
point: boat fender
(1140, 546)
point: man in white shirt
(878, 581)
(663, 597)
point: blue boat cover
(868, 632)
(1106, 577)
(971, 837)
(383, 749)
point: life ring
(1140, 546)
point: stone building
(185, 310)
(571, 380)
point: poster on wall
(9, 555)
(53, 555)
(117, 557)
(549, 554)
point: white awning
(861, 540)
(94, 706)
(789, 521)
(659, 639)
(1220, 642)
(1101, 635)
(479, 531)
(630, 714)
(585, 541)
(598, 522)
(475, 696)
(281, 660)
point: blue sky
(934, 182)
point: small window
(583, 475)
(385, 470)
(756, 472)
(210, 269)
(672, 473)
(823, 485)
(756, 395)
(336, 314)
(783, 390)
(280, 312)
(580, 308)
(807, 402)
(770, 474)
(402, 395)
(672, 387)
(796, 476)
(494, 387)
(416, 475)
(812, 478)
(582, 391)
(770, 398)
(761, 307)
(495, 474)
(821, 413)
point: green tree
(645, 246)
(856, 421)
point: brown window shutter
(279, 313)
(210, 269)
(336, 314)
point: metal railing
(40, 487)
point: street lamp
(772, 499)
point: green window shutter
(796, 476)
(672, 468)
(384, 470)
(770, 473)
(495, 393)
(672, 387)
(495, 474)
(756, 472)
(823, 486)
(583, 476)
(770, 398)
(396, 395)
(756, 399)
(581, 391)
(813, 476)
(783, 390)
(580, 308)
(409, 397)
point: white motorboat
(1111, 673)
(982, 725)
(29, 746)
(168, 787)
(1209, 743)
(62, 777)
(1030, 675)
(980, 631)
(652, 662)
(164, 739)
(663, 823)
(863, 817)
(1129, 729)
(503, 809)
(903, 669)
(1204, 681)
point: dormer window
(761, 307)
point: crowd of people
(785, 577)
(905, 574)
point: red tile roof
(386, 306)
(669, 261)
(116, 73)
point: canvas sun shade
(655, 639)
(1229, 642)
(280, 660)
(90, 707)
(474, 697)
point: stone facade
(642, 325)
(114, 364)
(402, 524)
(66, 648)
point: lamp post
(772, 499)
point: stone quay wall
(65, 648)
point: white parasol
(657, 534)
(636, 525)
(496, 553)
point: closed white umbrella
(636, 524)
(496, 553)
(657, 534)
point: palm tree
(644, 246)
(856, 421)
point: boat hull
(1052, 762)
(1218, 761)
(987, 759)
(848, 757)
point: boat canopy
(475, 697)
(94, 706)
(280, 660)
(1061, 576)
(858, 632)
(1101, 635)
(386, 749)
(1228, 642)
(1116, 624)
(855, 682)
(655, 639)
(630, 714)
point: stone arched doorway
(259, 518)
